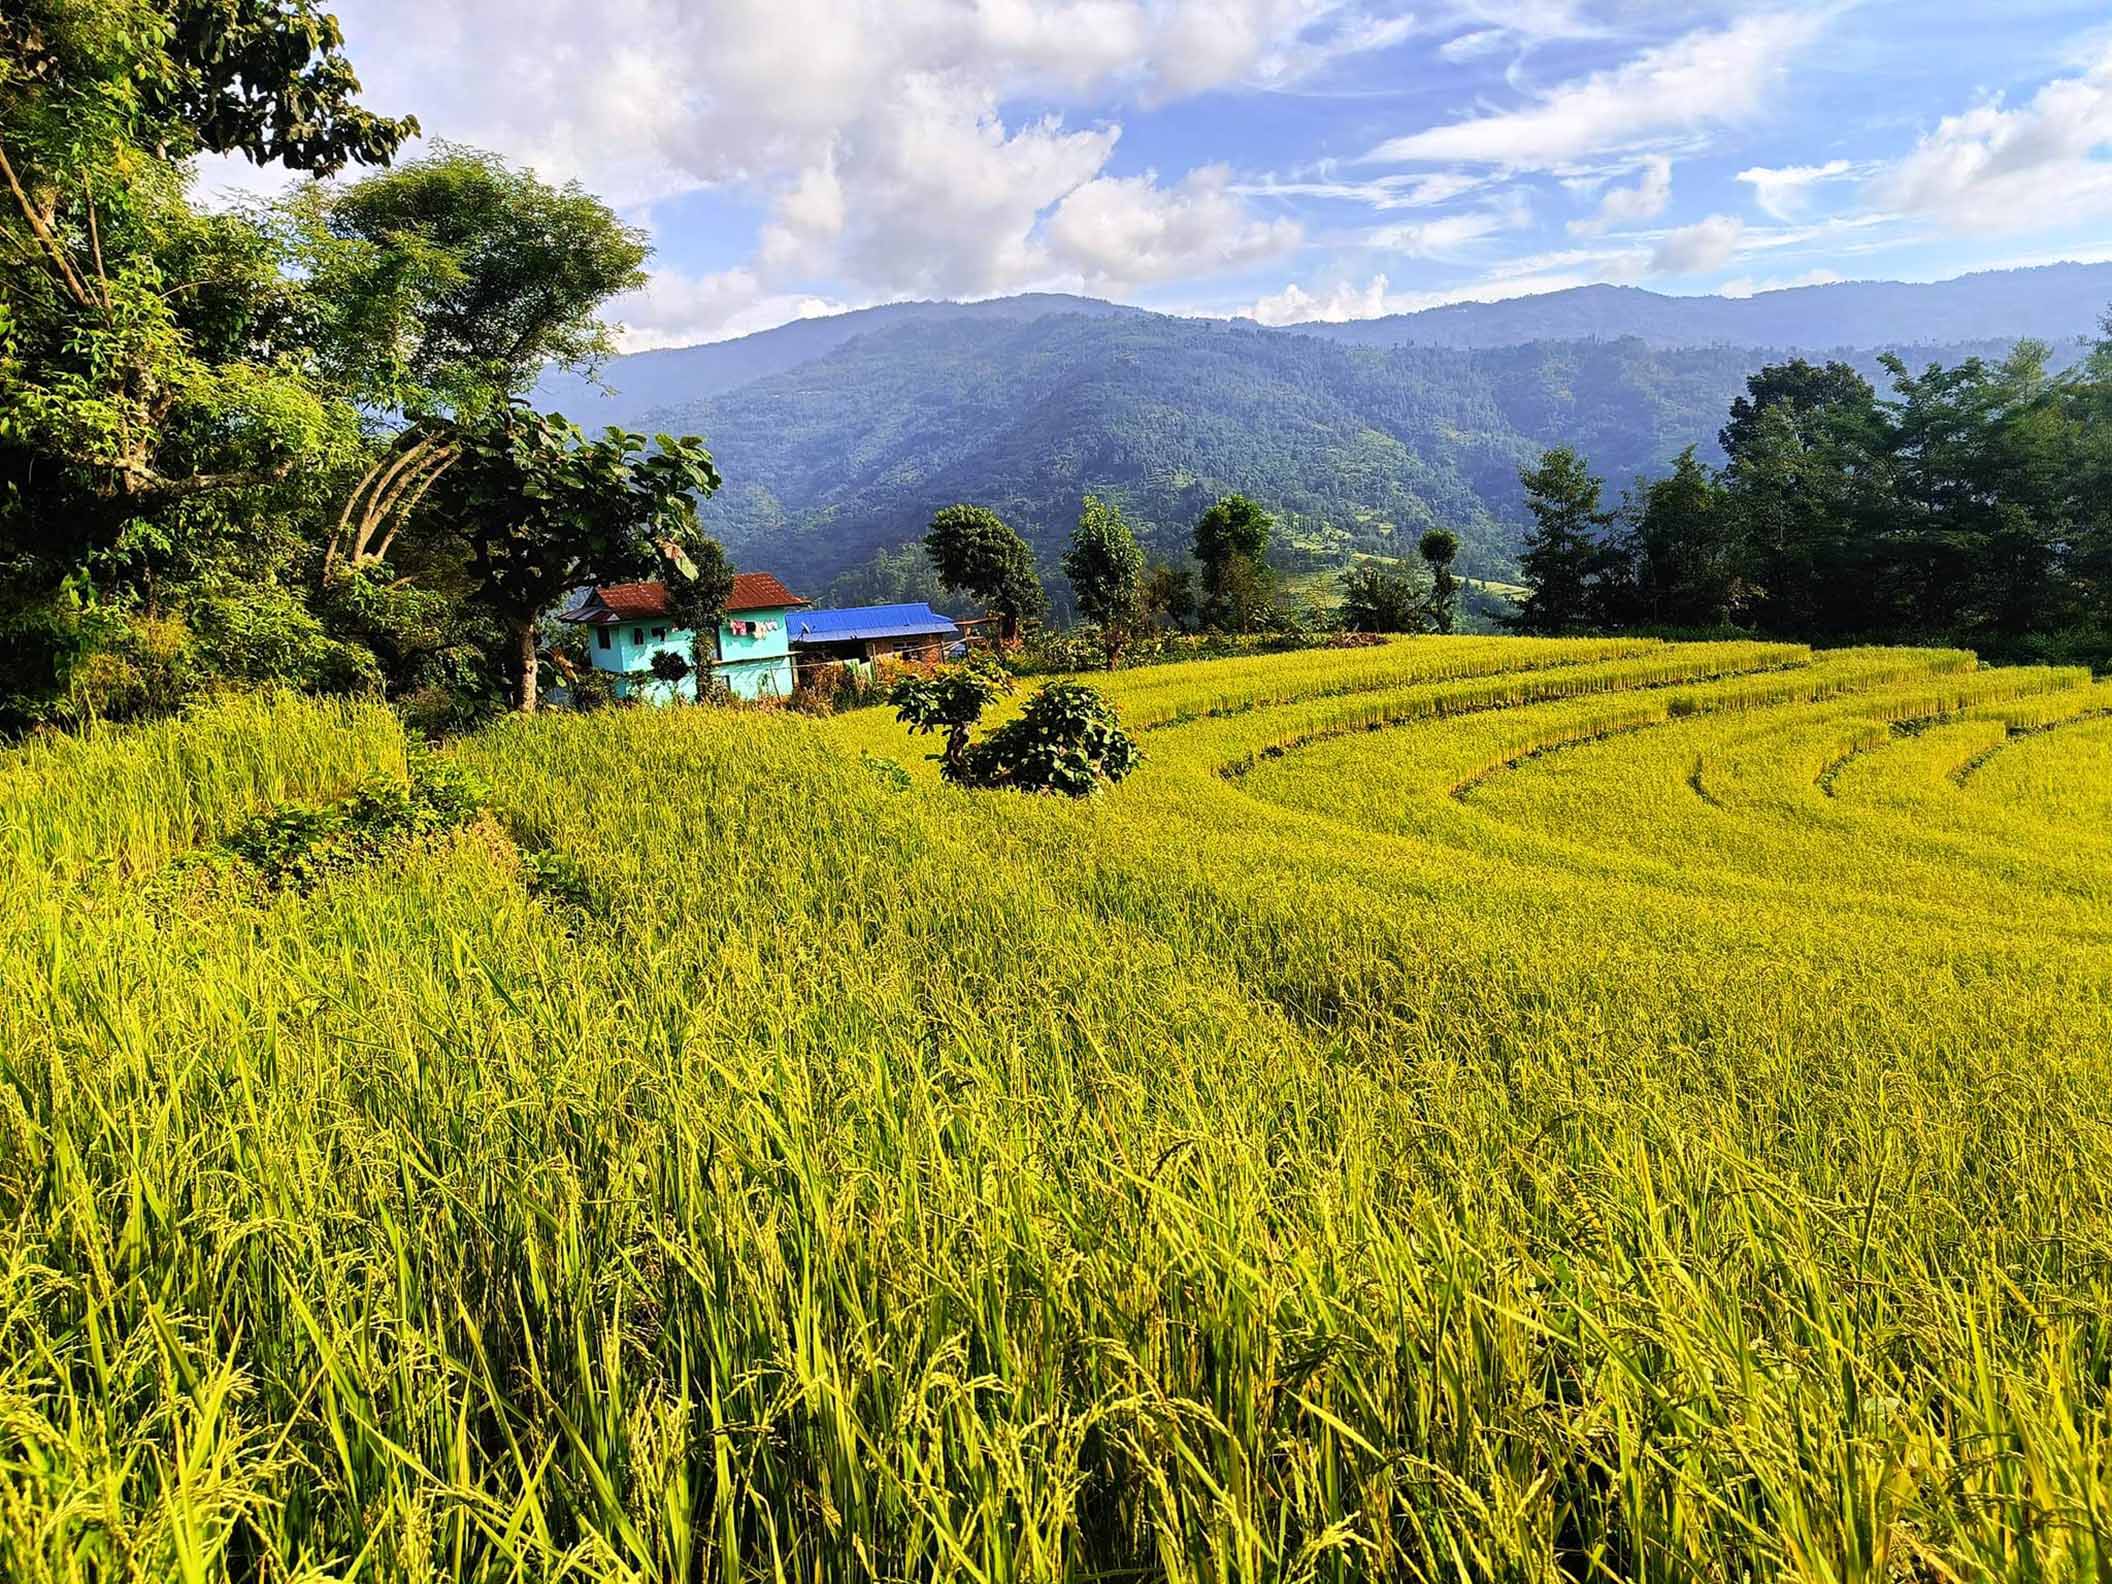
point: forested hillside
(848, 454)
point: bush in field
(952, 702)
(1382, 599)
(299, 846)
(1066, 740)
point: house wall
(753, 666)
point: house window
(659, 632)
(637, 635)
(601, 638)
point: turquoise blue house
(630, 625)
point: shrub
(301, 845)
(952, 702)
(1068, 740)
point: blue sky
(1281, 159)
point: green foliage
(1563, 560)
(902, 575)
(447, 284)
(1068, 740)
(1969, 502)
(699, 582)
(1231, 545)
(1439, 548)
(975, 552)
(1683, 562)
(1382, 598)
(298, 846)
(1233, 528)
(1106, 570)
(952, 702)
(545, 510)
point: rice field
(1474, 1109)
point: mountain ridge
(839, 437)
(2041, 302)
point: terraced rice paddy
(1470, 1109)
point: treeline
(1970, 504)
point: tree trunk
(524, 676)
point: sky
(1280, 160)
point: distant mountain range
(840, 436)
(2053, 303)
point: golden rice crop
(1468, 1109)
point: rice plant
(1468, 1109)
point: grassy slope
(1641, 1113)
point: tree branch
(42, 231)
(95, 242)
(148, 482)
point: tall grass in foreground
(1203, 1184)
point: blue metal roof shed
(868, 624)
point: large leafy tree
(161, 421)
(1833, 394)
(1381, 598)
(976, 552)
(443, 288)
(1683, 553)
(1232, 546)
(544, 510)
(449, 283)
(1106, 569)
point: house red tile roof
(645, 600)
(760, 591)
(634, 601)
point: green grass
(1470, 1109)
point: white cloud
(1699, 248)
(1746, 286)
(1621, 206)
(675, 309)
(1678, 88)
(1474, 45)
(1785, 193)
(1126, 230)
(877, 134)
(948, 196)
(1398, 191)
(1374, 299)
(1993, 168)
(1295, 305)
(1448, 235)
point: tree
(1563, 558)
(1379, 598)
(1836, 393)
(1106, 570)
(545, 510)
(1232, 546)
(952, 702)
(1169, 595)
(1682, 550)
(1066, 741)
(162, 431)
(448, 284)
(975, 552)
(1439, 548)
(699, 584)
